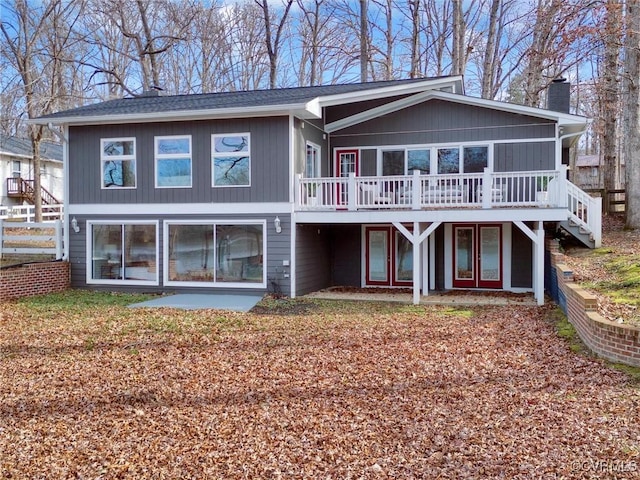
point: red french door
(346, 163)
(477, 256)
(389, 257)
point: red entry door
(389, 257)
(346, 163)
(477, 256)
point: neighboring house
(393, 184)
(588, 174)
(16, 171)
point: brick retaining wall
(34, 279)
(611, 340)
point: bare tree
(34, 40)
(609, 98)
(631, 113)
(458, 39)
(273, 40)
(364, 40)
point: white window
(173, 161)
(122, 253)
(312, 161)
(16, 169)
(231, 160)
(118, 162)
(224, 254)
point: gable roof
(303, 101)
(22, 148)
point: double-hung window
(173, 161)
(118, 162)
(231, 160)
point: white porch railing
(585, 212)
(539, 188)
(475, 190)
(39, 238)
(28, 212)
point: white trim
(214, 223)
(304, 110)
(171, 156)
(89, 252)
(391, 90)
(123, 158)
(178, 208)
(214, 155)
(65, 190)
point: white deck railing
(474, 190)
(539, 188)
(28, 212)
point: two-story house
(17, 173)
(399, 183)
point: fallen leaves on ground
(590, 267)
(347, 390)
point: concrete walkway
(192, 301)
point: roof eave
(308, 110)
(455, 82)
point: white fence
(28, 212)
(31, 238)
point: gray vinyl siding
(521, 259)
(514, 157)
(278, 250)
(346, 255)
(269, 162)
(313, 258)
(310, 133)
(437, 121)
(368, 162)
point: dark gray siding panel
(346, 241)
(310, 132)
(269, 162)
(517, 157)
(368, 160)
(313, 259)
(521, 259)
(278, 250)
(437, 121)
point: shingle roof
(22, 147)
(211, 101)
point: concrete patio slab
(197, 301)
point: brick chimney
(559, 95)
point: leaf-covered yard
(91, 389)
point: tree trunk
(458, 50)
(489, 60)
(414, 6)
(364, 41)
(631, 114)
(609, 102)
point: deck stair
(24, 190)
